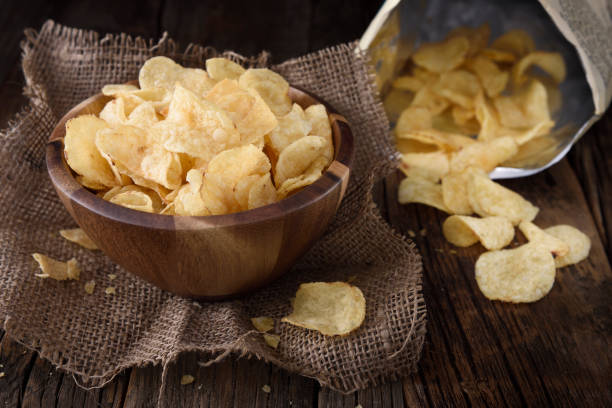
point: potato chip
(395, 102)
(82, 154)
(262, 192)
(431, 166)
(550, 62)
(162, 72)
(134, 197)
(579, 244)
(56, 269)
(196, 127)
(319, 121)
(334, 308)
(189, 199)
(291, 127)
(271, 340)
(187, 379)
(455, 193)
(478, 37)
(445, 122)
(459, 87)
(498, 56)
(225, 171)
(408, 83)
(487, 116)
(534, 234)
(296, 158)
(292, 185)
(527, 107)
(492, 232)
(420, 190)
(489, 198)
(222, 68)
(462, 115)
(413, 118)
(443, 56)
(444, 140)
(271, 87)
(93, 185)
(430, 100)
(143, 116)
(248, 111)
(78, 236)
(517, 42)
(263, 323)
(134, 152)
(90, 286)
(523, 274)
(114, 89)
(492, 78)
(485, 155)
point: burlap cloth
(96, 336)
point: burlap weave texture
(96, 336)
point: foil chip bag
(578, 31)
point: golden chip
(498, 55)
(517, 42)
(296, 158)
(143, 116)
(292, 185)
(523, 274)
(248, 111)
(113, 112)
(455, 193)
(443, 56)
(408, 83)
(162, 72)
(196, 127)
(395, 102)
(488, 198)
(113, 89)
(263, 323)
(460, 87)
(430, 100)
(492, 232)
(56, 269)
(82, 154)
(485, 155)
(78, 236)
(134, 152)
(413, 118)
(188, 200)
(187, 379)
(262, 192)
(462, 115)
(550, 62)
(420, 190)
(271, 340)
(291, 127)
(492, 78)
(431, 166)
(134, 197)
(319, 121)
(578, 242)
(90, 287)
(527, 107)
(222, 68)
(335, 308)
(537, 236)
(271, 87)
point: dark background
(555, 352)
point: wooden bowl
(209, 257)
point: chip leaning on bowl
(199, 142)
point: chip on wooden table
(492, 232)
(332, 308)
(419, 190)
(538, 236)
(579, 244)
(523, 274)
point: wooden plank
(244, 27)
(591, 159)
(491, 353)
(143, 387)
(16, 363)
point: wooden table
(555, 352)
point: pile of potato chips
(464, 108)
(199, 142)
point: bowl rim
(336, 173)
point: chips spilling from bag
(335, 308)
(197, 142)
(463, 108)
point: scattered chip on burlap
(95, 336)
